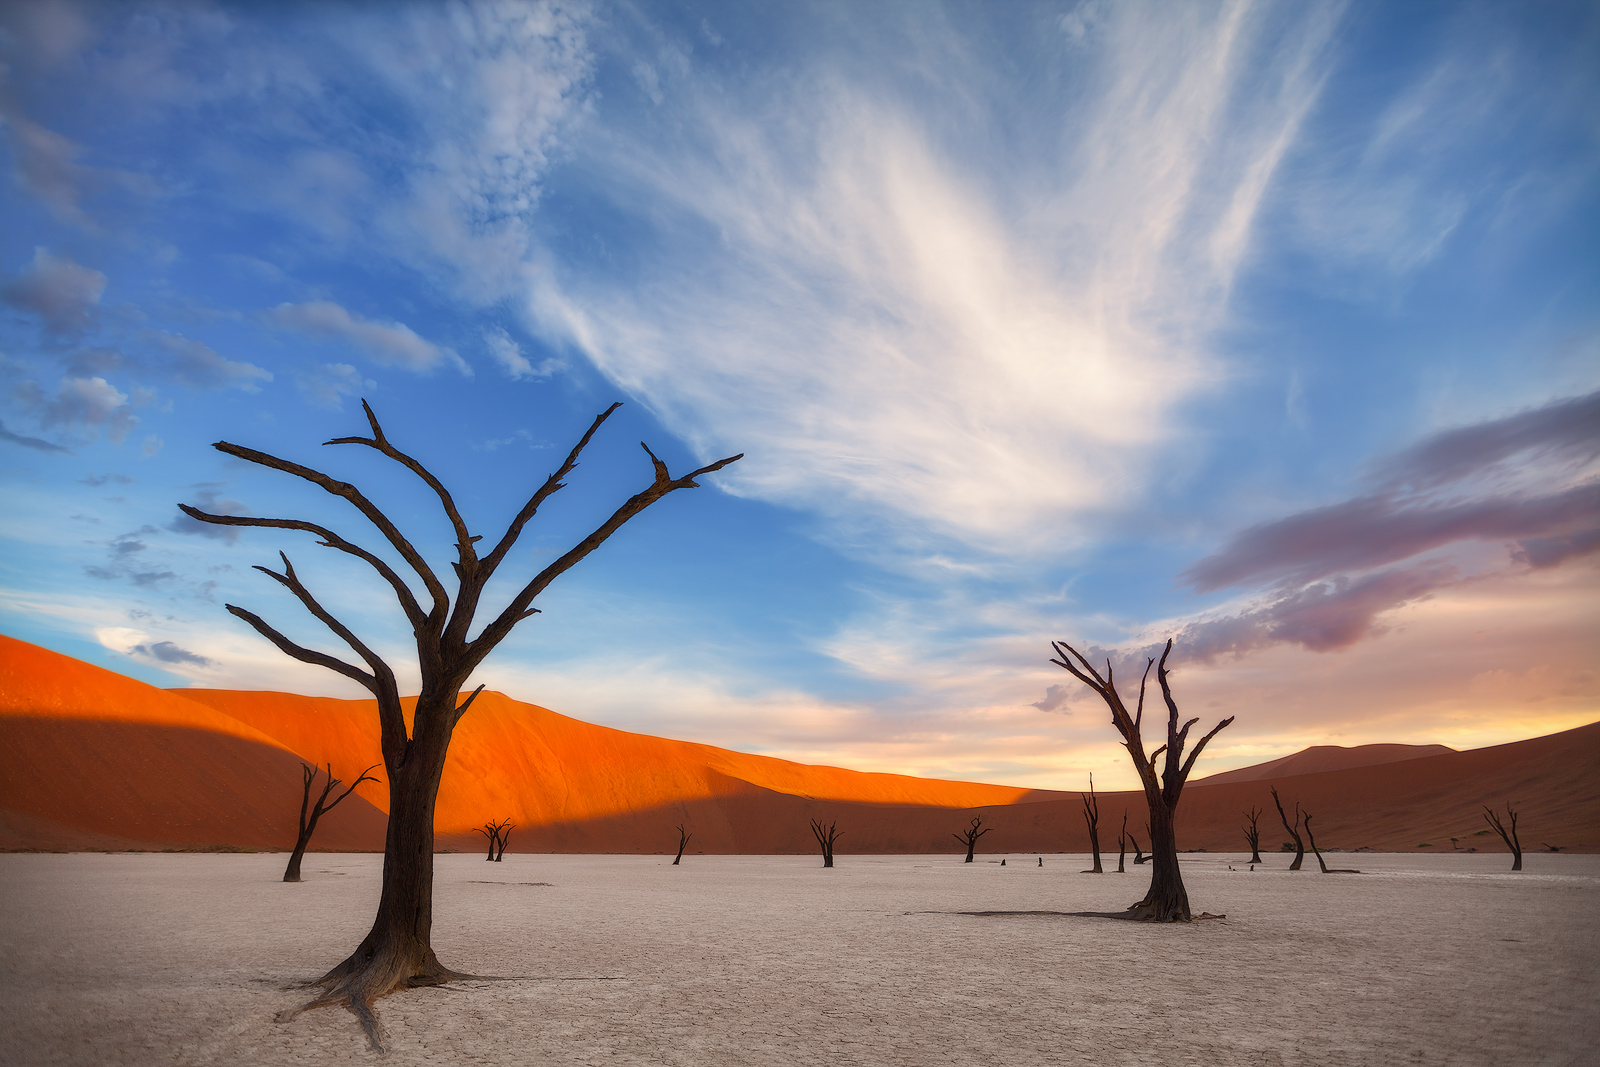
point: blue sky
(1270, 327)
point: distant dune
(91, 759)
(1320, 758)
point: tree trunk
(1167, 901)
(291, 873)
(971, 847)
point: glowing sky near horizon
(1268, 327)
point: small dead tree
(1166, 900)
(1252, 833)
(1138, 853)
(498, 834)
(1508, 836)
(826, 835)
(970, 836)
(1122, 846)
(683, 843)
(1318, 853)
(397, 952)
(1294, 831)
(1091, 818)
(310, 813)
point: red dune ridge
(94, 759)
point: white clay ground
(1423, 960)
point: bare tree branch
(408, 601)
(289, 580)
(413, 558)
(305, 655)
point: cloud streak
(391, 344)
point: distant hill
(1320, 758)
(91, 759)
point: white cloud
(328, 383)
(392, 344)
(84, 403)
(200, 365)
(924, 330)
(59, 291)
(508, 354)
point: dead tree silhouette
(1508, 836)
(1294, 831)
(683, 843)
(1138, 853)
(1091, 817)
(1122, 845)
(499, 834)
(1318, 853)
(310, 813)
(970, 836)
(1252, 833)
(826, 835)
(1166, 900)
(397, 952)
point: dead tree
(1294, 831)
(498, 834)
(1167, 900)
(1138, 853)
(1091, 817)
(1252, 833)
(1122, 846)
(397, 952)
(970, 836)
(1318, 853)
(826, 835)
(1508, 836)
(683, 843)
(310, 813)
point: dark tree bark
(683, 843)
(1318, 853)
(1293, 831)
(826, 835)
(398, 952)
(1167, 900)
(505, 839)
(1138, 853)
(310, 813)
(1122, 846)
(1091, 818)
(490, 835)
(970, 836)
(1508, 836)
(1252, 833)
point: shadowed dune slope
(1320, 758)
(90, 759)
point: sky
(1270, 328)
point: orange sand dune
(1319, 758)
(536, 767)
(91, 759)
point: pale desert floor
(184, 959)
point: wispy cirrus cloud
(921, 323)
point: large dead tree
(1293, 830)
(1318, 853)
(397, 952)
(826, 835)
(1509, 836)
(683, 843)
(1252, 833)
(311, 812)
(1167, 900)
(1091, 818)
(970, 836)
